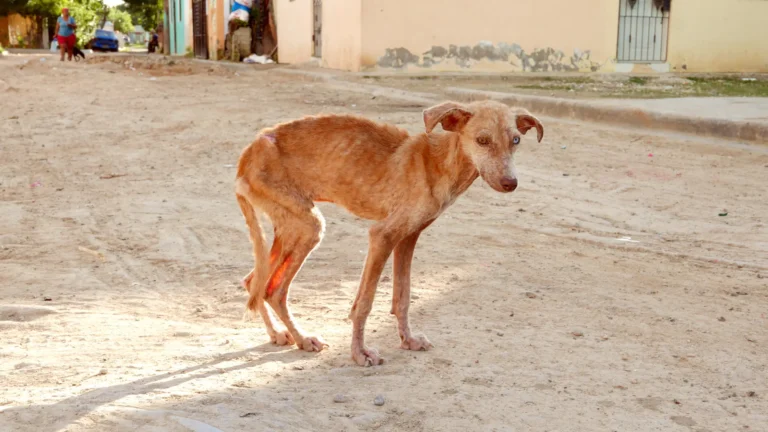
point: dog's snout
(508, 183)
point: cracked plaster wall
(486, 55)
(489, 35)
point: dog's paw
(416, 343)
(313, 344)
(367, 357)
(282, 338)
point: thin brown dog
(377, 172)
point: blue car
(104, 40)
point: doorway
(199, 29)
(643, 31)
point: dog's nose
(509, 183)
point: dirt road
(606, 294)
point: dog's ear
(453, 116)
(526, 122)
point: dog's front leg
(382, 240)
(401, 294)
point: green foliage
(121, 20)
(236, 24)
(88, 15)
(147, 13)
(45, 8)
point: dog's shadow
(67, 411)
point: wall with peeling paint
(293, 19)
(489, 35)
(718, 36)
(215, 11)
(341, 34)
(518, 35)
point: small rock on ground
(379, 401)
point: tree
(85, 12)
(43, 8)
(147, 13)
(121, 20)
(87, 15)
(38, 10)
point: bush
(121, 20)
(236, 24)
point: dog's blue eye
(516, 140)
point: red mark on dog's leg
(277, 277)
(273, 257)
(277, 249)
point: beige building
(526, 35)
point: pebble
(379, 401)
(530, 295)
(721, 319)
(340, 398)
(577, 333)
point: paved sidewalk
(739, 118)
(733, 118)
(722, 108)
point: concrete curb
(618, 115)
(563, 108)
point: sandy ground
(606, 294)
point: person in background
(65, 33)
(154, 43)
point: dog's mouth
(503, 184)
(494, 182)
(497, 187)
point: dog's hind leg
(255, 280)
(300, 232)
(299, 229)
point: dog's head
(489, 133)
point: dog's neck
(451, 163)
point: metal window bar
(643, 30)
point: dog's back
(348, 160)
